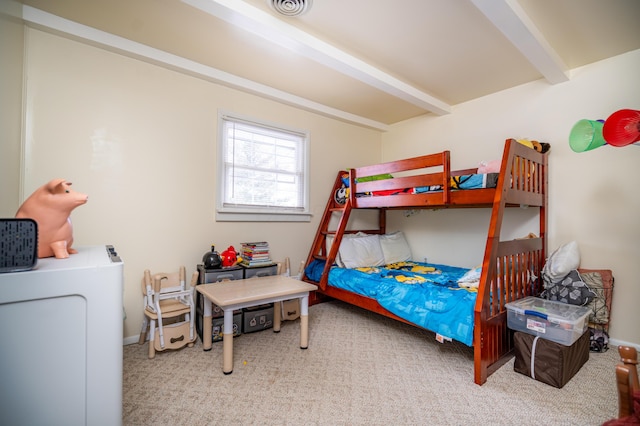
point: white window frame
(227, 212)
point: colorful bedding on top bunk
(474, 181)
(439, 298)
(468, 181)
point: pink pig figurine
(50, 206)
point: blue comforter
(424, 294)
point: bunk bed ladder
(319, 247)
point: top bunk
(428, 182)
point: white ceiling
(370, 62)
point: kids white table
(238, 294)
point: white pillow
(562, 261)
(395, 248)
(361, 251)
(329, 243)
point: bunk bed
(509, 270)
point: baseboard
(612, 342)
(130, 340)
(616, 342)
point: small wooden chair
(289, 309)
(166, 297)
(627, 380)
(284, 268)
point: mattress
(427, 295)
(462, 182)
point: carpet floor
(360, 369)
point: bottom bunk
(445, 299)
(439, 298)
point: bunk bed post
(481, 347)
(543, 213)
(446, 177)
(382, 220)
(508, 266)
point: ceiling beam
(509, 17)
(54, 24)
(265, 25)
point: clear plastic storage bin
(556, 321)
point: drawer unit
(260, 271)
(206, 276)
(217, 325)
(217, 275)
(250, 321)
(257, 318)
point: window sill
(240, 216)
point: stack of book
(256, 254)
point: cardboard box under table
(290, 309)
(549, 362)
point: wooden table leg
(304, 322)
(227, 342)
(207, 326)
(277, 309)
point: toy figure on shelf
(230, 257)
(50, 206)
(211, 259)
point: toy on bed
(342, 193)
(493, 166)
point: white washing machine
(61, 336)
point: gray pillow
(571, 289)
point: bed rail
(427, 176)
(524, 172)
(524, 185)
(514, 272)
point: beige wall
(11, 56)
(141, 141)
(593, 196)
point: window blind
(264, 166)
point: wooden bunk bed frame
(510, 270)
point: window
(262, 172)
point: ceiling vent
(290, 7)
